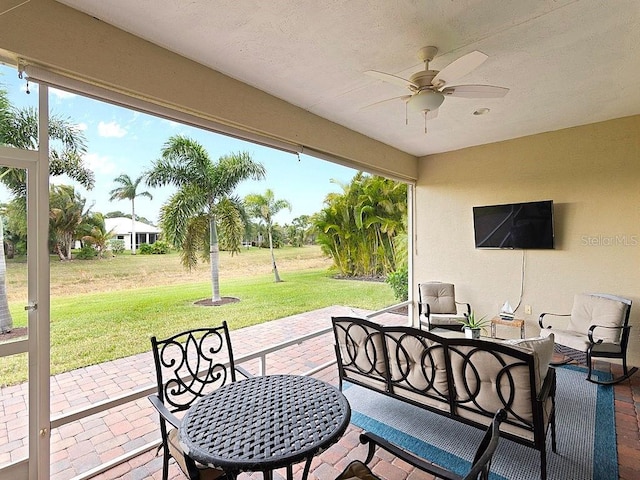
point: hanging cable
(521, 282)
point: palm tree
(265, 207)
(128, 191)
(66, 212)
(94, 232)
(357, 227)
(19, 128)
(203, 203)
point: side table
(516, 322)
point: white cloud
(100, 164)
(61, 93)
(82, 126)
(111, 129)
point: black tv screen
(514, 225)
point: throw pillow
(542, 347)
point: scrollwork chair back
(189, 365)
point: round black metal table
(264, 423)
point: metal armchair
(437, 306)
(188, 366)
(598, 327)
(479, 469)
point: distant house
(121, 227)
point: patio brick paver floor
(82, 445)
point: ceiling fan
(429, 87)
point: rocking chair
(598, 327)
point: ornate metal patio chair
(189, 365)
(598, 327)
(437, 306)
(358, 470)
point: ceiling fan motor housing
(423, 78)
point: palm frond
(194, 245)
(230, 224)
(177, 211)
(233, 169)
(183, 161)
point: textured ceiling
(566, 62)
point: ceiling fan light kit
(426, 100)
(429, 87)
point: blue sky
(124, 141)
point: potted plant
(472, 325)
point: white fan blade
(404, 98)
(387, 77)
(475, 91)
(459, 68)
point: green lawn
(94, 327)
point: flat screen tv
(514, 225)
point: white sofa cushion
(485, 379)
(362, 353)
(418, 369)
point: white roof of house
(122, 226)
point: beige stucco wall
(50, 34)
(592, 173)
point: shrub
(87, 252)
(160, 247)
(399, 281)
(116, 246)
(145, 249)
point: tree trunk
(214, 260)
(6, 322)
(133, 228)
(273, 258)
(69, 246)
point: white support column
(411, 229)
(39, 302)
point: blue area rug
(585, 424)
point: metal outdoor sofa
(466, 380)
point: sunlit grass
(91, 328)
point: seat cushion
(177, 453)
(580, 342)
(486, 380)
(447, 319)
(357, 470)
(361, 350)
(418, 369)
(595, 310)
(441, 297)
